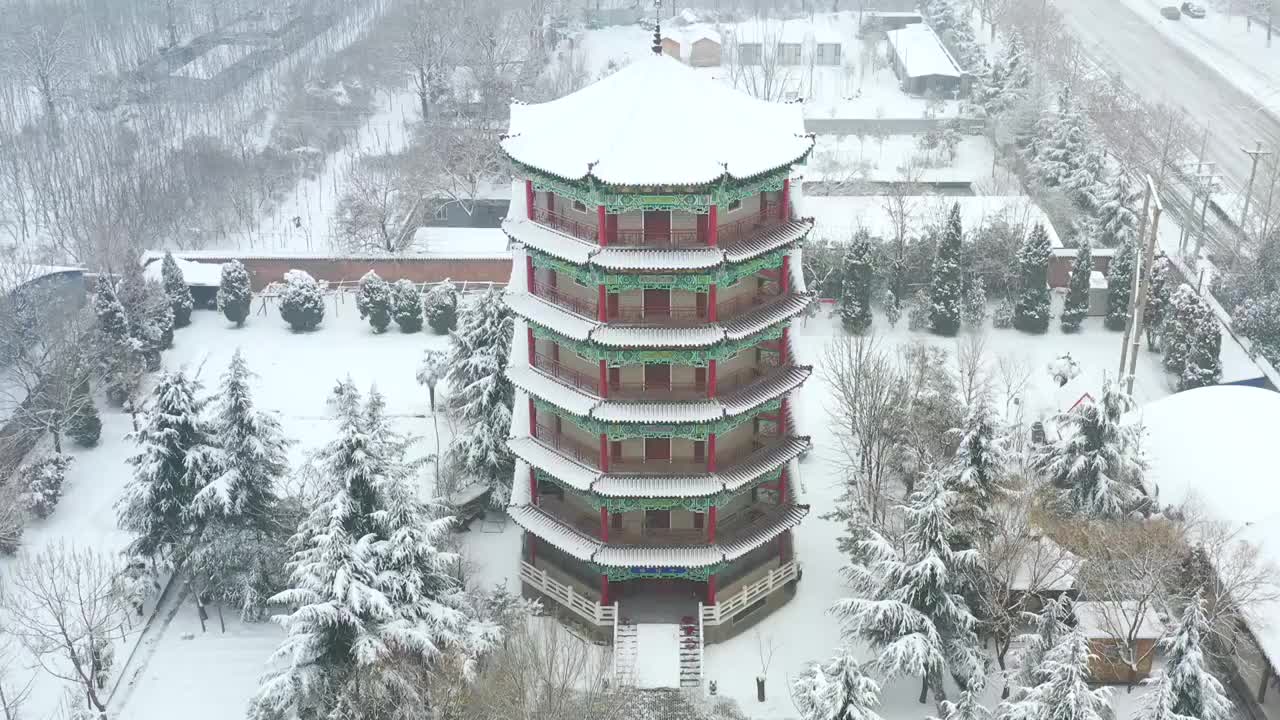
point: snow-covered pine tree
(406, 306)
(41, 483)
(947, 286)
(856, 278)
(373, 599)
(1120, 285)
(892, 308)
(1077, 303)
(1159, 301)
(374, 301)
(1031, 313)
(969, 707)
(118, 356)
(1049, 629)
(85, 427)
(1120, 201)
(252, 460)
(1064, 692)
(836, 690)
(908, 603)
(482, 394)
(234, 294)
(177, 457)
(441, 303)
(918, 310)
(175, 287)
(1096, 465)
(973, 309)
(1194, 346)
(301, 301)
(977, 476)
(154, 331)
(1193, 690)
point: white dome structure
(1219, 448)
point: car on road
(1171, 12)
(1193, 10)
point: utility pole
(1144, 281)
(1256, 154)
(1133, 287)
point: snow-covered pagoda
(659, 277)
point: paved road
(1114, 35)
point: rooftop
(921, 52)
(620, 130)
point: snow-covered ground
(838, 218)
(215, 60)
(849, 158)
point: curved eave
(584, 478)
(633, 259)
(663, 185)
(587, 405)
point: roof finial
(657, 27)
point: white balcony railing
(724, 610)
(583, 606)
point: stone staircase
(624, 654)
(690, 653)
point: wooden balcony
(728, 527)
(727, 234)
(570, 447)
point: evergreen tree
(855, 292)
(1159, 301)
(373, 599)
(977, 476)
(118, 356)
(973, 309)
(84, 426)
(1064, 692)
(441, 303)
(374, 301)
(1077, 303)
(175, 286)
(154, 331)
(947, 287)
(1120, 285)
(1096, 465)
(252, 459)
(41, 482)
(177, 457)
(1192, 689)
(837, 690)
(892, 308)
(1050, 627)
(1194, 351)
(406, 306)
(1031, 313)
(969, 708)
(1120, 202)
(907, 602)
(234, 294)
(482, 394)
(1065, 153)
(301, 302)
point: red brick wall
(266, 270)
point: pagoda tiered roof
(620, 131)
(584, 478)
(579, 545)
(614, 334)
(579, 252)
(584, 404)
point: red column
(604, 589)
(529, 271)
(713, 227)
(711, 453)
(533, 418)
(712, 314)
(784, 277)
(604, 379)
(784, 212)
(604, 452)
(711, 524)
(533, 349)
(782, 487)
(782, 417)
(531, 543)
(711, 589)
(533, 486)
(602, 304)
(602, 226)
(604, 524)
(528, 199)
(784, 345)
(711, 378)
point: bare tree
(901, 200)
(44, 52)
(762, 71)
(47, 381)
(63, 607)
(973, 375)
(370, 216)
(454, 164)
(12, 694)
(428, 48)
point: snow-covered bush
(84, 425)
(892, 308)
(301, 301)
(1120, 285)
(1031, 312)
(406, 306)
(234, 295)
(42, 484)
(855, 294)
(374, 301)
(1077, 304)
(973, 308)
(12, 518)
(1063, 369)
(918, 313)
(175, 287)
(441, 304)
(1194, 345)
(947, 288)
(1002, 316)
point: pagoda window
(615, 521)
(698, 521)
(552, 278)
(657, 519)
(615, 378)
(657, 227)
(657, 303)
(657, 376)
(700, 379)
(735, 205)
(700, 451)
(657, 449)
(579, 206)
(612, 308)
(615, 451)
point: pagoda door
(657, 304)
(657, 227)
(657, 376)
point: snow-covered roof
(620, 130)
(921, 52)
(588, 405)
(773, 30)
(196, 274)
(1107, 619)
(15, 275)
(1044, 566)
(579, 252)
(460, 242)
(1216, 447)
